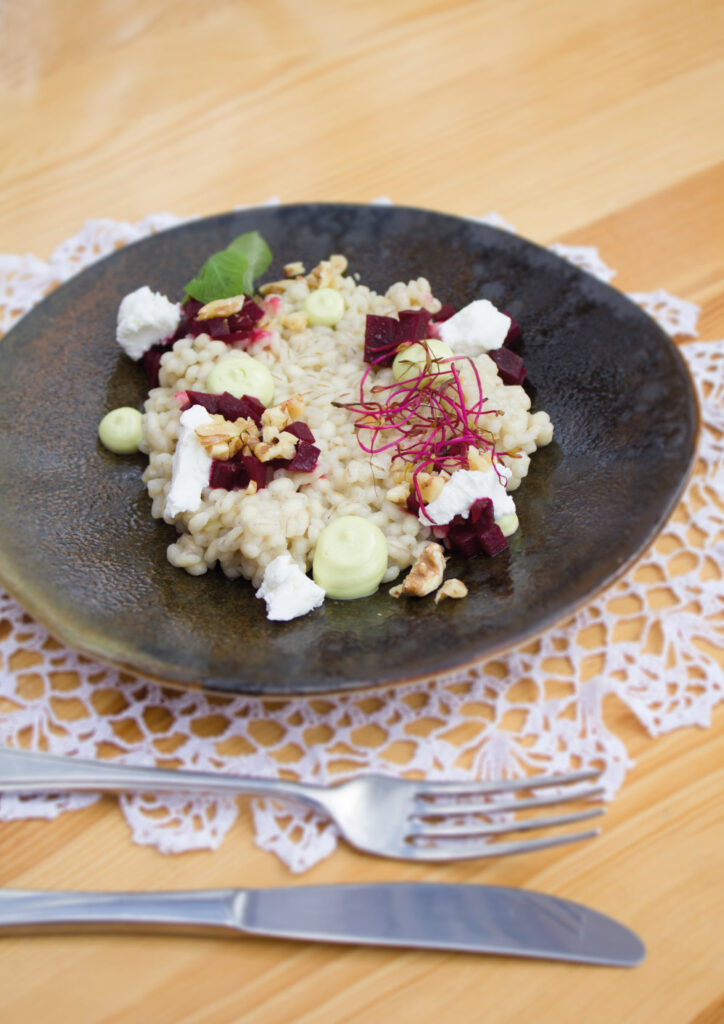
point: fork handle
(22, 771)
(212, 911)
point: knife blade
(419, 915)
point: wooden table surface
(579, 122)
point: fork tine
(433, 809)
(439, 829)
(455, 850)
(439, 788)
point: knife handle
(194, 912)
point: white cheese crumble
(287, 591)
(464, 488)
(145, 318)
(191, 465)
(477, 327)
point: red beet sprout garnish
(427, 420)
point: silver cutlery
(464, 918)
(390, 817)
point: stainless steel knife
(464, 918)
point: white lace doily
(648, 640)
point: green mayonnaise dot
(324, 306)
(240, 374)
(121, 429)
(508, 524)
(350, 558)
(409, 362)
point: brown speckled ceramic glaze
(78, 547)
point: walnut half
(425, 575)
(451, 588)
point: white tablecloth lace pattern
(539, 707)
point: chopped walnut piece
(399, 493)
(294, 269)
(451, 588)
(221, 307)
(282, 447)
(276, 287)
(396, 591)
(294, 407)
(223, 439)
(295, 321)
(276, 418)
(431, 484)
(426, 574)
(328, 273)
(479, 460)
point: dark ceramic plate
(78, 547)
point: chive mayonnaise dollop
(410, 361)
(325, 307)
(350, 558)
(240, 374)
(121, 429)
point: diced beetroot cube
(301, 430)
(381, 339)
(248, 315)
(384, 333)
(151, 360)
(227, 406)
(191, 307)
(491, 539)
(412, 503)
(305, 458)
(444, 313)
(510, 365)
(514, 331)
(255, 470)
(413, 324)
(208, 401)
(462, 537)
(217, 327)
(227, 474)
(481, 512)
(247, 406)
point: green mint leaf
(231, 271)
(257, 253)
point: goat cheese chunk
(477, 327)
(464, 488)
(287, 591)
(145, 318)
(191, 465)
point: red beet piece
(305, 458)
(514, 331)
(510, 365)
(248, 315)
(151, 360)
(413, 324)
(444, 313)
(217, 327)
(481, 512)
(227, 474)
(301, 430)
(380, 339)
(491, 539)
(462, 537)
(255, 470)
(412, 503)
(384, 333)
(226, 405)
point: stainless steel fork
(390, 817)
